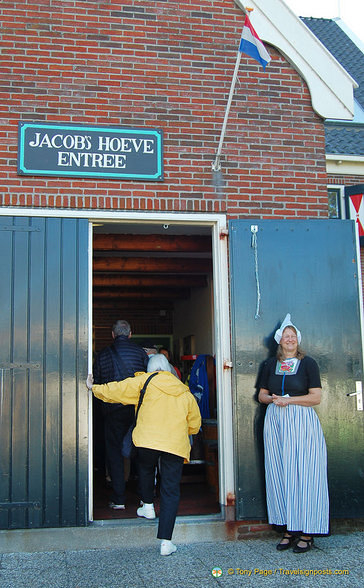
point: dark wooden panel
(6, 294)
(152, 265)
(52, 373)
(122, 242)
(43, 358)
(37, 396)
(307, 268)
(143, 281)
(132, 293)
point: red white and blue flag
(252, 45)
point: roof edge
(345, 165)
(347, 30)
(330, 85)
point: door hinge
(20, 228)
(8, 505)
(30, 365)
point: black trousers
(170, 470)
(117, 420)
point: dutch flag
(252, 45)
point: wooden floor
(197, 496)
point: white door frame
(218, 224)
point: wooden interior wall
(139, 277)
(144, 320)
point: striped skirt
(296, 469)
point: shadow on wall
(271, 345)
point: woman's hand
(280, 400)
(264, 397)
(311, 399)
(89, 381)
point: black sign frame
(87, 151)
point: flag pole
(216, 164)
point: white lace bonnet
(286, 323)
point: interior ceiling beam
(126, 281)
(121, 306)
(152, 264)
(150, 293)
(165, 243)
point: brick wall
(160, 64)
(344, 180)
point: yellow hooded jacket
(168, 415)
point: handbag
(128, 448)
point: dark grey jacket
(127, 359)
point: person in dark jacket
(114, 363)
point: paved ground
(334, 561)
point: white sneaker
(116, 506)
(167, 547)
(147, 511)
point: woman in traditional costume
(294, 444)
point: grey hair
(158, 363)
(121, 328)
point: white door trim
(89, 368)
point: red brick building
(164, 67)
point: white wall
(195, 317)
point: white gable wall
(330, 85)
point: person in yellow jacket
(168, 415)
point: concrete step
(104, 534)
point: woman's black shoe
(283, 546)
(307, 547)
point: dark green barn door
(307, 268)
(43, 362)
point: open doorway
(159, 277)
